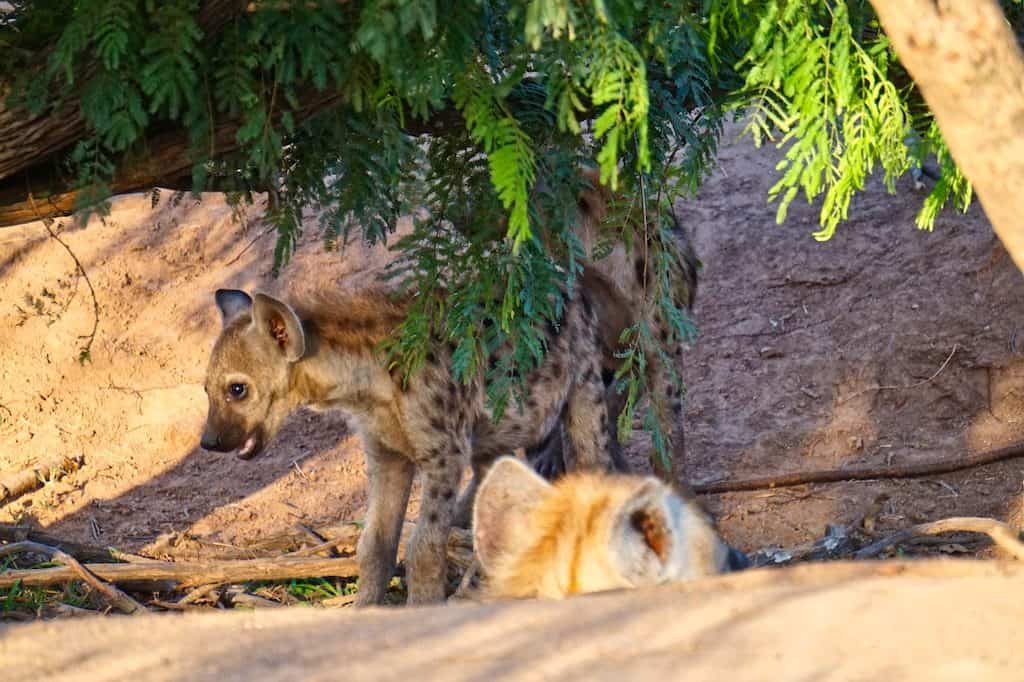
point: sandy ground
(796, 336)
(937, 620)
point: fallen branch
(1003, 535)
(835, 545)
(81, 552)
(861, 473)
(30, 479)
(188, 574)
(343, 537)
(115, 597)
(207, 575)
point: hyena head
(590, 532)
(247, 380)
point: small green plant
(31, 600)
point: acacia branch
(868, 473)
(969, 68)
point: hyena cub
(589, 532)
(621, 286)
(271, 358)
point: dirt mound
(930, 620)
(796, 340)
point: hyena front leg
(390, 479)
(426, 560)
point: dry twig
(83, 354)
(32, 478)
(252, 243)
(81, 552)
(1003, 535)
(115, 597)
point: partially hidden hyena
(621, 286)
(271, 358)
(589, 532)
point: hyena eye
(236, 391)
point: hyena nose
(737, 560)
(209, 441)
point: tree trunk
(28, 139)
(969, 67)
(168, 160)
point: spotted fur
(323, 355)
(618, 285)
(589, 532)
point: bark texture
(969, 67)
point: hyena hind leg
(480, 464)
(587, 443)
(666, 398)
(390, 479)
(547, 458)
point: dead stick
(328, 546)
(197, 594)
(193, 573)
(1004, 536)
(9, 533)
(32, 478)
(862, 473)
(118, 599)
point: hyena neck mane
(342, 365)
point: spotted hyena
(589, 532)
(271, 358)
(620, 285)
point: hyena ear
(279, 321)
(644, 534)
(232, 303)
(508, 492)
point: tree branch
(1005, 537)
(969, 68)
(118, 599)
(862, 473)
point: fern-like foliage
(822, 80)
(474, 116)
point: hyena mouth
(251, 447)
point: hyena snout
(211, 441)
(231, 438)
(735, 560)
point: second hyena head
(248, 377)
(589, 533)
